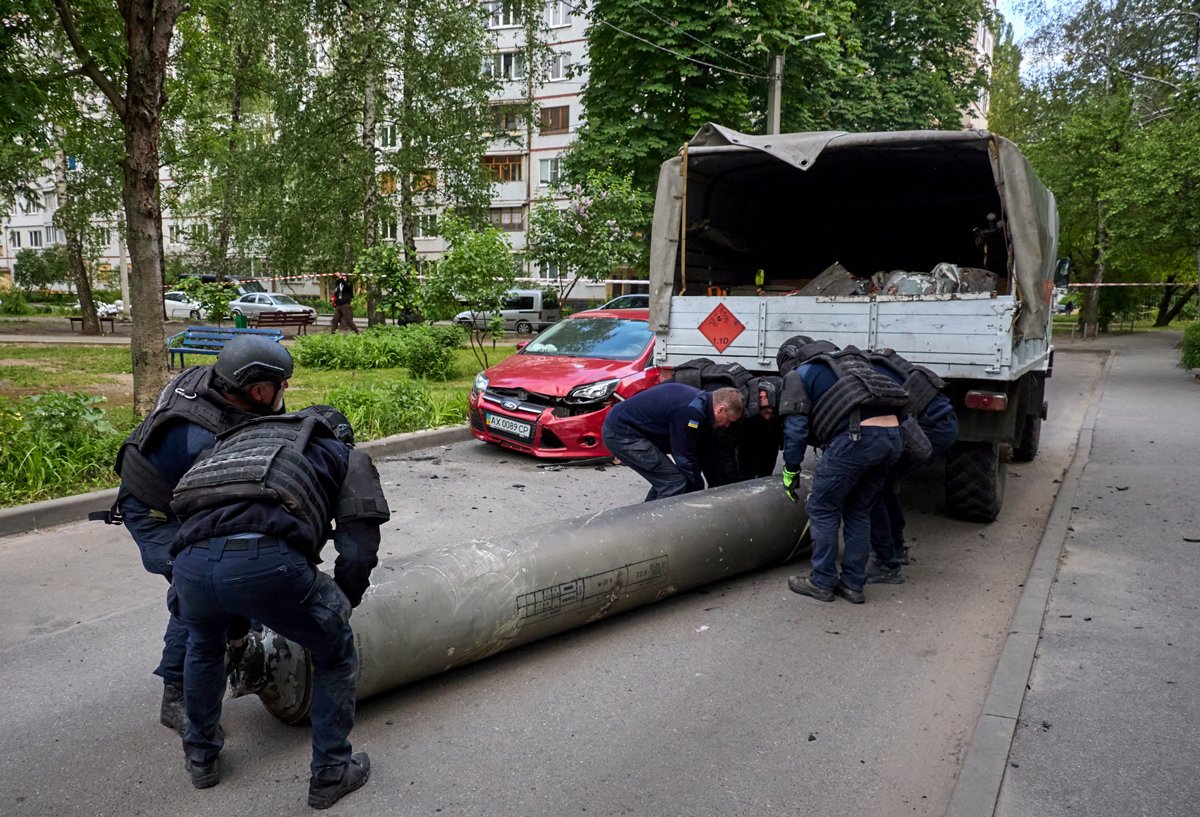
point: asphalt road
(740, 699)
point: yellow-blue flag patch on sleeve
(693, 423)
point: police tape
(1138, 284)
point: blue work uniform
(154, 530)
(255, 559)
(940, 424)
(668, 419)
(849, 476)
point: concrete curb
(978, 786)
(51, 512)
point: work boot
(170, 714)
(880, 573)
(204, 775)
(805, 586)
(852, 596)
(324, 793)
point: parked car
(550, 399)
(641, 301)
(103, 310)
(178, 304)
(255, 302)
(524, 310)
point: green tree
(396, 280)
(596, 233)
(474, 274)
(39, 269)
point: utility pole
(774, 93)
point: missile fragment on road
(431, 611)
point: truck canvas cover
(792, 205)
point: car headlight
(481, 383)
(593, 392)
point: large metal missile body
(434, 610)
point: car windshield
(283, 299)
(606, 338)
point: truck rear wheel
(975, 479)
(1031, 437)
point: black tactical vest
(921, 384)
(191, 397)
(858, 385)
(261, 461)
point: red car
(550, 399)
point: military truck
(940, 245)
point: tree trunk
(1091, 301)
(242, 57)
(149, 25)
(370, 185)
(67, 221)
(1164, 302)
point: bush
(55, 444)
(407, 405)
(424, 350)
(12, 302)
(1191, 345)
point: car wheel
(524, 327)
(194, 314)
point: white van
(524, 311)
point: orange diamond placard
(721, 328)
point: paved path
(1108, 724)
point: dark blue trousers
(649, 462)
(153, 538)
(280, 588)
(887, 517)
(849, 477)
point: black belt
(244, 543)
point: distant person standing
(343, 313)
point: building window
(507, 119)
(15, 239)
(103, 236)
(557, 14)
(559, 67)
(501, 13)
(31, 206)
(51, 200)
(424, 225)
(556, 120)
(508, 219)
(549, 269)
(508, 65)
(425, 181)
(390, 231)
(35, 238)
(551, 171)
(51, 235)
(387, 136)
(387, 183)
(503, 168)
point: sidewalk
(1106, 723)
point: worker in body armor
(934, 414)
(196, 406)
(257, 510)
(837, 401)
(664, 433)
(749, 448)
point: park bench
(209, 340)
(302, 320)
(78, 319)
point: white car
(177, 305)
(628, 302)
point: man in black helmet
(837, 401)
(247, 381)
(257, 510)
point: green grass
(380, 402)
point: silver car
(253, 303)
